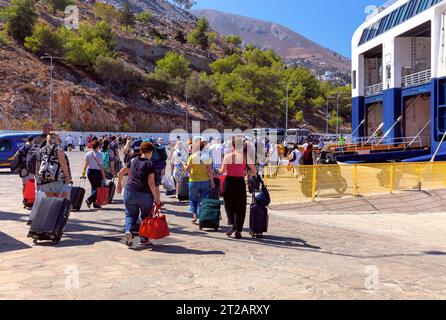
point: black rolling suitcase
(50, 220)
(258, 218)
(77, 195)
(110, 184)
(183, 189)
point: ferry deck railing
(416, 79)
(373, 90)
(379, 143)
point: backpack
(50, 169)
(19, 162)
(105, 159)
(160, 154)
(263, 198)
(31, 158)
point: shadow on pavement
(170, 249)
(13, 216)
(8, 244)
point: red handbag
(155, 227)
(102, 196)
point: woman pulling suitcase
(234, 188)
(140, 191)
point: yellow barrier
(289, 185)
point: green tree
(200, 89)
(251, 91)
(233, 45)
(59, 4)
(144, 17)
(174, 64)
(83, 48)
(185, 4)
(105, 11)
(261, 58)
(227, 64)
(334, 121)
(200, 35)
(299, 117)
(45, 40)
(304, 87)
(21, 16)
(4, 41)
(119, 77)
(127, 17)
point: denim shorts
(54, 187)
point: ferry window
(5, 145)
(354, 79)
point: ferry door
(374, 118)
(417, 113)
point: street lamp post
(187, 112)
(286, 112)
(51, 58)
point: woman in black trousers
(95, 174)
(234, 188)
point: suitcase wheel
(201, 228)
(35, 241)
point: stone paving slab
(308, 254)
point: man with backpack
(159, 160)
(19, 163)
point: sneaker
(230, 232)
(238, 235)
(145, 242)
(88, 204)
(129, 239)
(97, 207)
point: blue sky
(330, 23)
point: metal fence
(290, 185)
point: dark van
(10, 143)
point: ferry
(399, 84)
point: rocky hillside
(292, 46)
(80, 101)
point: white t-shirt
(298, 156)
(274, 155)
(217, 154)
(81, 141)
(92, 162)
(70, 140)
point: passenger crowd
(207, 166)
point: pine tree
(21, 16)
(127, 17)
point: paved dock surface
(309, 253)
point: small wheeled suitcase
(29, 193)
(102, 196)
(77, 195)
(110, 184)
(39, 196)
(183, 189)
(210, 214)
(50, 220)
(258, 220)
